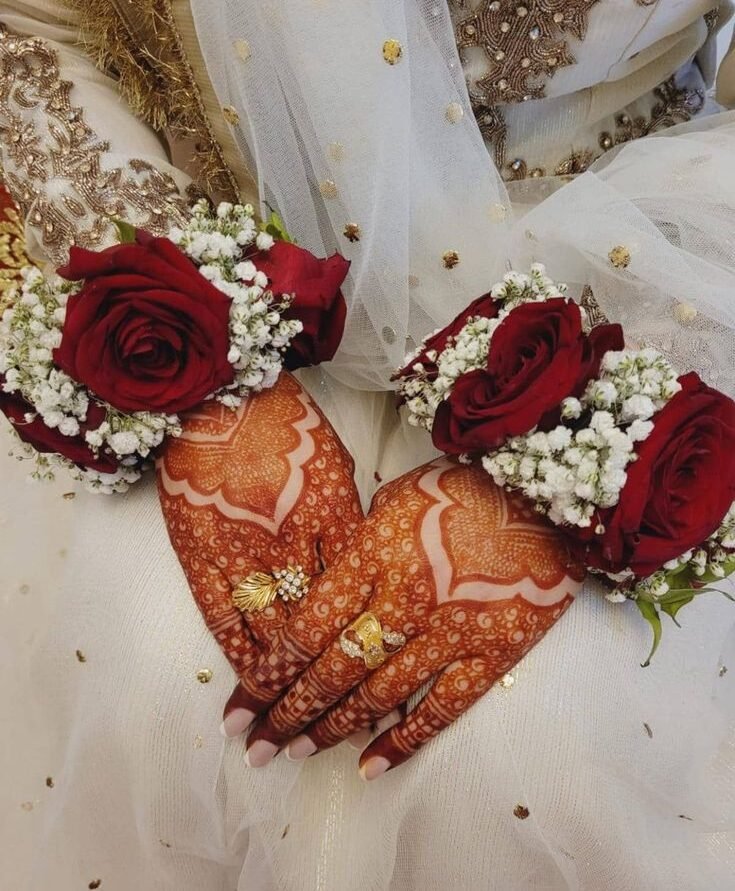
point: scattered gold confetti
(392, 51)
(507, 681)
(413, 281)
(352, 232)
(684, 817)
(230, 115)
(521, 811)
(723, 671)
(336, 151)
(63, 552)
(450, 259)
(204, 675)
(685, 313)
(242, 48)
(198, 741)
(620, 257)
(50, 782)
(164, 843)
(69, 496)
(24, 589)
(648, 730)
(27, 806)
(328, 188)
(454, 113)
(95, 884)
(81, 657)
(285, 831)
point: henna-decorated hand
(255, 490)
(472, 577)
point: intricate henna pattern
(255, 489)
(467, 572)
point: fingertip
(260, 753)
(374, 767)
(236, 722)
(300, 748)
(360, 739)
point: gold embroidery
(12, 251)
(85, 198)
(525, 43)
(141, 46)
(674, 105)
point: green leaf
(672, 606)
(651, 615)
(275, 227)
(125, 232)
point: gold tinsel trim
(159, 85)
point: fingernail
(260, 753)
(300, 748)
(373, 768)
(388, 721)
(237, 722)
(360, 739)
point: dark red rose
(536, 360)
(146, 332)
(318, 302)
(46, 439)
(678, 490)
(484, 306)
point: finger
(453, 692)
(335, 599)
(383, 690)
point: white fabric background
(146, 794)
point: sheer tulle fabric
(628, 774)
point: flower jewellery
(98, 362)
(635, 463)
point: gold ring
(260, 589)
(370, 640)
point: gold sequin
(352, 232)
(95, 883)
(685, 313)
(27, 806)
(723, 671)
(230, 115)
(198, 742)
(69, 496)
(647, 728)
(392, 51)
(521, 811)
(450, 259)
(25, 589)
(50, 782)
(204, 675)
(80, 656)
(507, 681)
(454, 112)
(328, 189)
(619, 256)
(242, 48)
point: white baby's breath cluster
(31, 328)
(469, 350)
(571, 473)
(258, 334)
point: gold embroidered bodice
(512, 49)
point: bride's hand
(250, 490)
(472, 578)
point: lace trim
(155, 77)
(525, 44)
(85, 198)
(675, 105)
(12, 247)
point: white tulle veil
(339, 136)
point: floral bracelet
(98, 362)
(634, 463)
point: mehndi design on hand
(472, 577)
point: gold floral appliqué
(54, 159)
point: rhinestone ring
(259, 590)
(364, 639)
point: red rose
(678, 490)
(318, 304)
(484, 306)
(537, 356)
(47, 439)
(146, 332)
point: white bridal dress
(585, 771)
